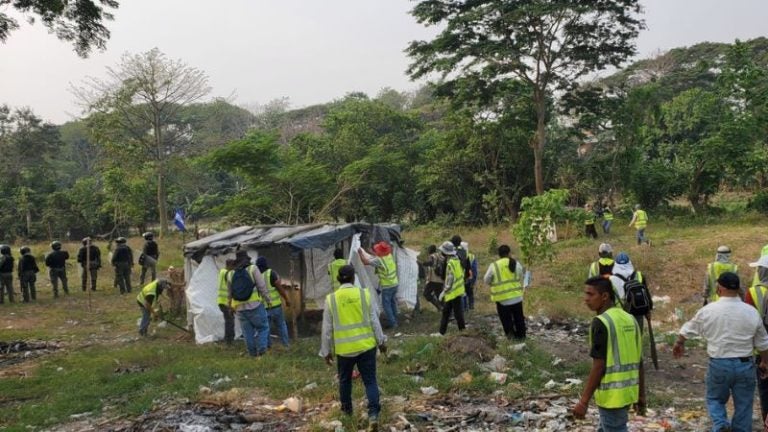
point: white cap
(604, 248)
(723, 249)
(762, 262)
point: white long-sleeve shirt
(731, 328)
(326, 338)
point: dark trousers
(762, 391)
(123, 276)
(56, 275)
(229, 323)
(640, 322)
(28, 280)
(366, 364)
(512, 319)
(469, 299)
(6, 286)
(149, 266)
(432, 292)
(590, 230)
(89, 274)
(454, 306)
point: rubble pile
(14, 352)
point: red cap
(382, 249)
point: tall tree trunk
(161, 192)
(540, 141)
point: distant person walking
(251, 311)
(505, 277)
(56, 261)
(604, 263)
(223, 301)
(607, 219)
(6, 273)
(453, 288)
(617, 378)
(28, 274)
(589, 222)
(333, 268)
(435, 266)
(732, 330)
(640, 221)
(89, 258)
(351, 331)
(721, 265)
(277, 297)
(149, 256)
(625, 274)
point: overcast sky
(310, 51)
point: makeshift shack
(300, 254)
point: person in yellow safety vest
(617, 378)
(589, 221)
(278, 298)
(604, 264)
(755, 296)
(333, 268)
(640, 221)
(453, 288)
(505, 277)
(761, 272)
(148, 300)
(623, 272)
(435, 266)
(607, 219)
(351, 330)
(732, 330)
(721, 265)
(222, 299)
(386, 269)
(251, 313)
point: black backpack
(637, 300)
(242, 284)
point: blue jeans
(641, 236)
(277, 320)
(613, 419)
(728, 377)
(389, 303)
(607, 226)
(255, 326)
(366, 364)
(144, 326)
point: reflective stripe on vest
(457, 289)
(255, 297)
(594, 268)
(274, 295)
(714, 270)
(641, 219)
(351, 312)
(223, 296)
(619, 386)
(590, 220)
(757, 297)
(506, 284)
(333, 272)
(149, 290)
(388, 272)
(607, 215)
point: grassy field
(103, 368)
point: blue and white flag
(178, 220)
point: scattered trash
(429, 391)
(394, 354)
(463, 378)
(550, 384)
(310, 386)
(220, 381)
(557, 361)
(518, 347)
(293, 404)
(331, 425)
(498, 377)
(204, 390)
(417, 378)
(497, 364)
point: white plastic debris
(550, 384)
(518, 347)
(498, 377)
(429, 391)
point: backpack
(637, 300)
(242, 284)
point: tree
(138, 107)
(544, 43)
(76, 21)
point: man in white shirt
(732, 330)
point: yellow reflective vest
(641, 219)
(387, 272)
(594, 268)
(607, 214)
(274, 294)
(714, 270)
(149, 289)
(333, 272)
(350, 309)
(506, 285)
(453, 266)
(255, 297)
(590, 218)
(223, 294)
(620, 385)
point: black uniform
(56, 261)
(28, 276)
(6, 277)
(122, 260)
(148, 260)
(94, 264)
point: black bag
(242, 284)
(637, 299)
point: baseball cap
(605, 248)
(729, 280)
(622, 258)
